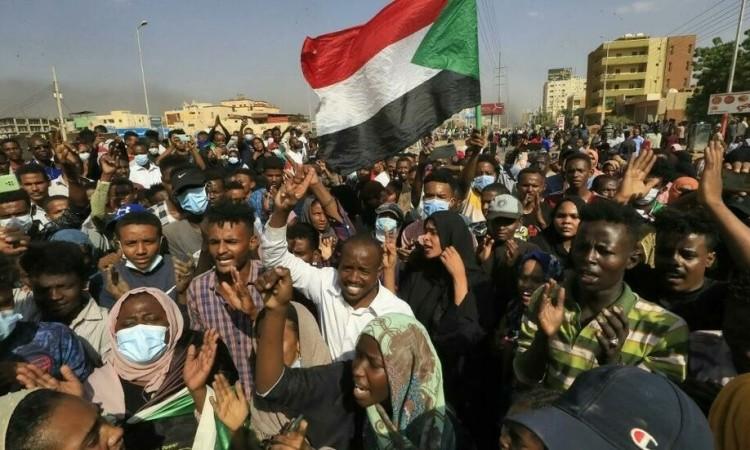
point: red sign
(493, 109)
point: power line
(696, 17)
(717, 30)
(730, 14)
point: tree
(711, 69)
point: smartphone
(183, 137)
(293, 426)
(736, 182)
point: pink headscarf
(678, 185)
(154, 373)
(594, 156)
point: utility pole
(143, 73)
(58, 97)
(730, 82)
(604, 87)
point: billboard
(492, 109)
(731, 103)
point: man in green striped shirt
(594, 318)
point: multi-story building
(25, 126)
(260, 115)
(116, 120)
(632, 75)
(560, 74)
(557, 92)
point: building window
(687, 65)
(671, 49)
(631, 86)
(617, 70)
(667, 81)
(669, 67)
(684, 82)
(616, 87)
(690, 48)
(632, 70)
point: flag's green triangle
(452, 43)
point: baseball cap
(122, 211)
(390, 208)
(620, 407)
(187, 177)
(505, 205)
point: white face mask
(149, 269)
(22, 223)
(154, 150)
(84, 156)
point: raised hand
(511, 252)
(390, 254)
(405, 252)
(711, 184)
(453, 262)
(198, 363)
(183, 274)
(114, 284)
(551, 311)
(107, 261)
(276, 287)
(230, 406)
(293, 190)
(326, 247)
(107, 164)
(31, 376)
(484, 251)
(291, 440)
(612, 334)
(13, 241)
(238, 295)
(633, 183)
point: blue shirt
(52, 170)
(48, 346)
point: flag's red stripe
(333, 57)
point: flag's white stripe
(383, 79)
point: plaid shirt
(207, 309)
(657, 341)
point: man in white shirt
(142, 170)
(349, 297)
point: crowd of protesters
(526, 289)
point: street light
(143, 73)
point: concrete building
(25, 126)
(560, 74)
(556, 93)
(261, 115)
(114, 120)
(634, 73)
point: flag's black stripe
(400, 123)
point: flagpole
(478, 115)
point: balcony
(628, 59)
(612, 92)
(624, 76)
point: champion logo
(642, 439)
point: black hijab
(426, 284)
(551, 241)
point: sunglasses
(37, 147)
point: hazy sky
(211, 50)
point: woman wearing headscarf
(155, 377)
(452, 298)
(681, 186)
(396, 376)
(325, 214)
(730, 417)
(558, 238)
(413, 414)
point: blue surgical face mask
(22, 223)
(142, 344)
(8, 321)
(194, 200)
(233, 160)
(434, 205)
(141, 160)
(482, 182)
(384, 225)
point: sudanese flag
(385, 84)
